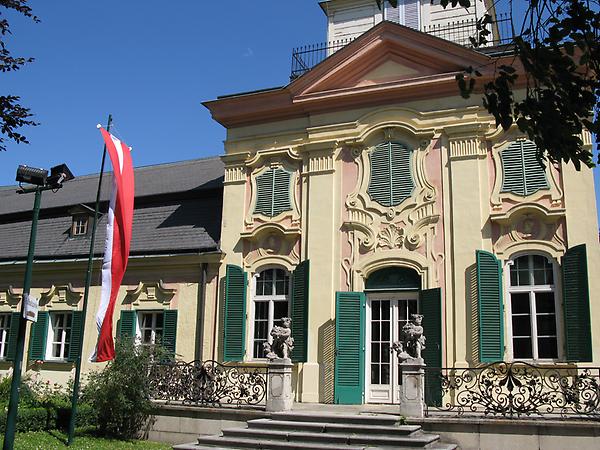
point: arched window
(522, 173)
(532, 306)
(391, 178)
(270, 303)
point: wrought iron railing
(464, 32)
(307, 57)
(460, 32)
(516, 389)
(208, 383)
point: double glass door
(386, 315)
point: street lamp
(38, 181)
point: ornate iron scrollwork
(208, 383)
(518, 389)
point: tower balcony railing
(462, 32)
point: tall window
(522, 172)
(150, 327)
(4, 332)
(391, 179)
(271, 303)
(533, 308)
(59, 336)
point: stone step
(291, 446)
(244, 443)
(419, 440)
(360, 419)
(326, 427)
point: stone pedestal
(279, 394)
(412, 390)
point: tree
(556, 62)
(12, 114)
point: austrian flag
(118, 239)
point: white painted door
(386, 315)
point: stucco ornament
(412, 340)
(283, 342)
(391, 237)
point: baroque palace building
(367, 190)
(364, 191)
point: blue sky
(150, 66)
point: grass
(56, 440)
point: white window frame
(271, 299)
(532, 289)
(5, 322)
(153, 328)
(63, 356)
(80, 225)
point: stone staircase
(318, 431)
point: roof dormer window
(79, 227)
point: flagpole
(88, 282)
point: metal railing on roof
(461, 32)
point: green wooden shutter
(264, 193)
(534, 173)
(349, 347)
(76, 336)
(522, 173)
(126, 325)
(379, 184)
(235, 314)
(402, 184)
(513, 179)
(38, 336)
(273, 192)
(576, 305)
(431, 307)
(12, 336)
(391, 178)
(300, 283)
(169, 337)
(489, 295)
(281, 192)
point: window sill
(54, 364)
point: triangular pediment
(387, 54)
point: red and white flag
(118, 239)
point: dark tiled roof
(184, 176)
(180, 212)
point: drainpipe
(199, 347)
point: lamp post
(40, 182)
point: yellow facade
(329, 122)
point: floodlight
(32, 175)
(59, 174)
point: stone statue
(283, 342)
(412, 340)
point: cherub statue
(413, 341)
(283, 342)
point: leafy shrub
(86, 416)
(27, 396)
(28, 419)
(120, 393)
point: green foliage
(12, 115)
(53, 399)
(120, 394)
(559, 50)
(27, 395)
(28, 419)
(54, 440)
